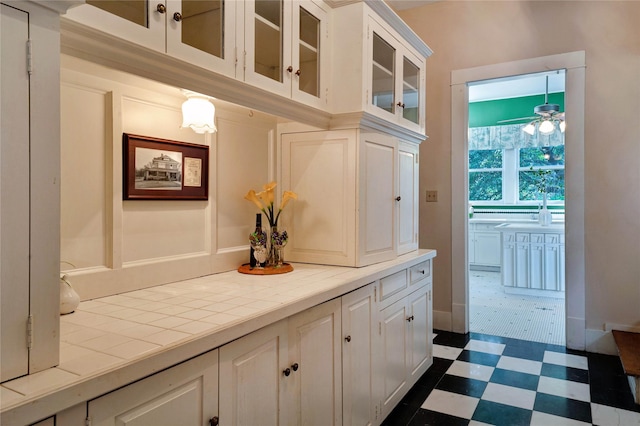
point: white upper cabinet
(379, 68)
(394, 79)
(200, 32)
(357, 192)
(285, 48)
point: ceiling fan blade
(516, 119)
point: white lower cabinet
(533, 261)
(186, 394)
(484, 245)
(347, 361)
(286, 373)
(406, 350)
(358, 333)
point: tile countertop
(531, 227)
(112, 341)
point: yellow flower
(286, 196)
(269, 189)
(252, 196)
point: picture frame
(162, 169)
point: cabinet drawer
(553, 238)
(393, 287)
(537, 238)
(419, 271)
(485, 226)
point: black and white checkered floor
(478, 379)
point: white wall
(466, 34)
(118, 245)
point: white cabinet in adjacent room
(484, 246)
(286, 373)
(533, 261)
(357, 196)
(186, 394)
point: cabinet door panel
(487, 248)
(14, 187)
(357, 325)
(419, 334)
(314, 345)
(377, 197)
(251, 380)
(320, 167)
(205, 33)
(408, 175)
(186, 394)
(131, 23)
(393, 361)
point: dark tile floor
(479, 379)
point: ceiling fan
(548, 116)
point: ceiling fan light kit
(549, 117)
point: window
(541, 168)
(485, 174)
(513, 176)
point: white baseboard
(601, 342)
(442, 320)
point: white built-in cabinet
(186, 394)
(201, 32)
(285, 48)
(405, 329)
(358, 196)
(359, 334)
(286, 373)
(533, 261)
(29, 187)
(388, 78)
(484, 245)
(278, 45)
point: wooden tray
(267, 270)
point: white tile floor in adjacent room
(494, 312)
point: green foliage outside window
(542, 173)
(485, 182)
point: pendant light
(549, 117)
(198, 112)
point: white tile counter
(115, 340)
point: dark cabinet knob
(400, 104)
(347, 339)
(161, 8)
(286, 372)
(298, 73)
(398, 198)
(214, 421)
(290, 68)
(177, 17)
(409, 319)
(295, 366)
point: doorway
(516, 279)
(574, 65)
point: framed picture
(160, 169)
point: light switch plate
(432, 196)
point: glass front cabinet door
(285, 48)
(396, 80)
(200, 32)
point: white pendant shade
(198, 113)
(546, 127)
(529, 129)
